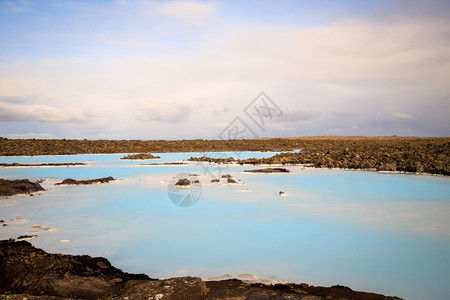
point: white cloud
(345, 114)
(298, 115)
(17, 6)
(190, 11)
(31, 135)
(314, 71)
(162, 112)
(401, 116)
(39, 112)
(278, 126)
(335, 131)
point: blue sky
(186, 69)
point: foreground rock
(140, 156)
(236, 289)
(32, 273)
(27, 270)
(19, 186)
(41, 165)
(70, 181)
(268, 170)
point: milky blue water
(385, 233)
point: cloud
(31, 135)
(17, 6)
(298, 115)
(351, 52)
(345, 114)
(335, 131)
(313, 70)
(184, 10)
(12, 99)
(106, 136)
(401, 116)
(220, 111)
(39, 112)
(278, 126)
(161, 112)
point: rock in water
(70, 181)
(19, 186)
(231, 180)
(140, 156)
(269, 170)
(183, 182)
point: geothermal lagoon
(386, 233)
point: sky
(138, 69)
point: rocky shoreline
(28, 272)
(423, 155)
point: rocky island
(18, 186)
(140, 156)
(268, 170)
(164, 164)
(183, 182)
(5, 165)
(70, 181)
(30, 273)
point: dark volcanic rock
(26, 237)
(213, 160)
(164, 164)
(268, 170)
(140, 156)
(400, 154)
(231, 180)
(27, 272)
(42, 165)
(19, 186)
(70, 181)
(183, 182)
(180, 288)
(236, 289)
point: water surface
(386, 233)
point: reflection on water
(386, 233)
